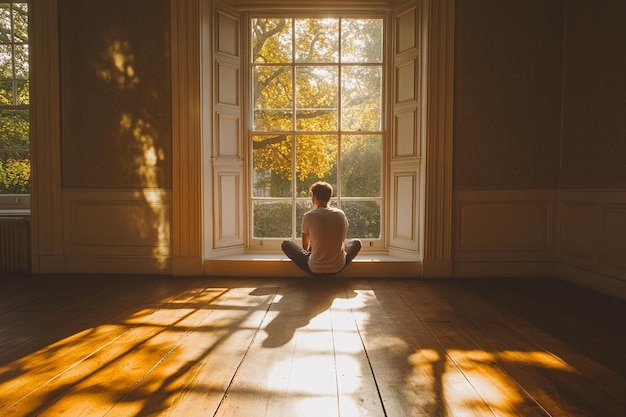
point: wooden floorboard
(73, 345)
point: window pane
(361, 165)
(316, 160)
(364, 219)
(302, 206)
(14, 151)
(6, 75)
(273, 95)
(6, 63)
(361, 98)
(272, 165)
(6, 91)
(316, 98)
(362, 40)
(22, 92)
(317, 40)
(20, 22)
(14, 172)
(271, 40)
(267, 184)
(5, 23)
(271, 120)
(271, 219)
(21, 61)
(14, 129)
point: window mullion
(339, 124)
(294, 141)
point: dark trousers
(300, 256)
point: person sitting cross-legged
(325, 249)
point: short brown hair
(322, 190)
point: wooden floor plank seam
(245, 354)
(369, 361)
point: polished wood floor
(151, 346)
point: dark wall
(507, 104)
(540, 93)
(115, 93)
(594, 105)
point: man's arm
(306, 241)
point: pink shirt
(327, 227)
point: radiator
(14, 244)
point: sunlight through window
(317, 113)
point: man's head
(322, 191)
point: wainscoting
(117, 231)
(578, 236)
(505, 233)
(592, 237)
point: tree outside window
(14, 99)
(317, 94)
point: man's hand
(306, 241)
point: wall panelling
(501, 228)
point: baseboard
(50, 264)
(186, 266)
(118, 265)
(437, 268)
(605, 284)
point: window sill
(14, 212)
(278, 265)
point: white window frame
(273, 244)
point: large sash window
(316, 114)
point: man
(324, 247)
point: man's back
(327, 227)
